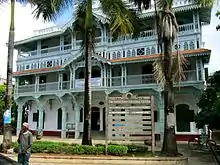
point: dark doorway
(59, 118)
(183, 118)
(95, 119)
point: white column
(40, 119)
(125, 74)
(38, 47)
(101, 119)
(19, 118)
(61, 43)
(74, 75)
(72, 41)
(122, 75)
(110, 75)
(60, 84)
(77, 120)
(71, 76)
(36, 83)
(63, 133)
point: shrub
(66, 148)
(117, 150)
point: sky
(25, 24)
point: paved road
(197, 157)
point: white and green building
(50, 73)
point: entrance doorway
(95, 122)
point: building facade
(50, 73)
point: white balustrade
(131, 80)
(95, 82)
(52, 86)
(145, 35)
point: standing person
(25, 141)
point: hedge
(76, 149)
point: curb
(104, 157)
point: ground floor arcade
(62, 116)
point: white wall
(191, 101)
(51, 116)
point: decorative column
(60, 81)
(110, 75)
(101, 119)
(105, 76)
(72, 41)
(40, 119)
(77, 120)
(36, 83)
(63, 133)
(61, 43)
(125, 74)
(122, 75)
(198, 69)
(39, 47)
(19, 118)
(73, 75)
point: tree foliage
(209, 104)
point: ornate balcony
(146, 36)
(130, 80)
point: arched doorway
(183, 118)
(95, 119)
(59, 119)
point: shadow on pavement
(4, 160)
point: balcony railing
(186, 28)
(95, 82)
(130, 80)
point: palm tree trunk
(87, 139)
(7, 139)
(169, 144)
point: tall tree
(209, 104)
(7, 139)
(120, 20)
(168, 69)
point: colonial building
(50, 73)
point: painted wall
(51, 116)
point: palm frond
(122, 20)
(49, 10)
(179, 63)
(158, 70)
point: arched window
(192, 45)
(153, 50)
(128, 53)
(133, 53)
(114, 56)
(186, 47)
(118, 54)
(147, 51)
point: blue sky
(66, 16)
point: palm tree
(168, 69)
(121, 22)
(7, 138)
